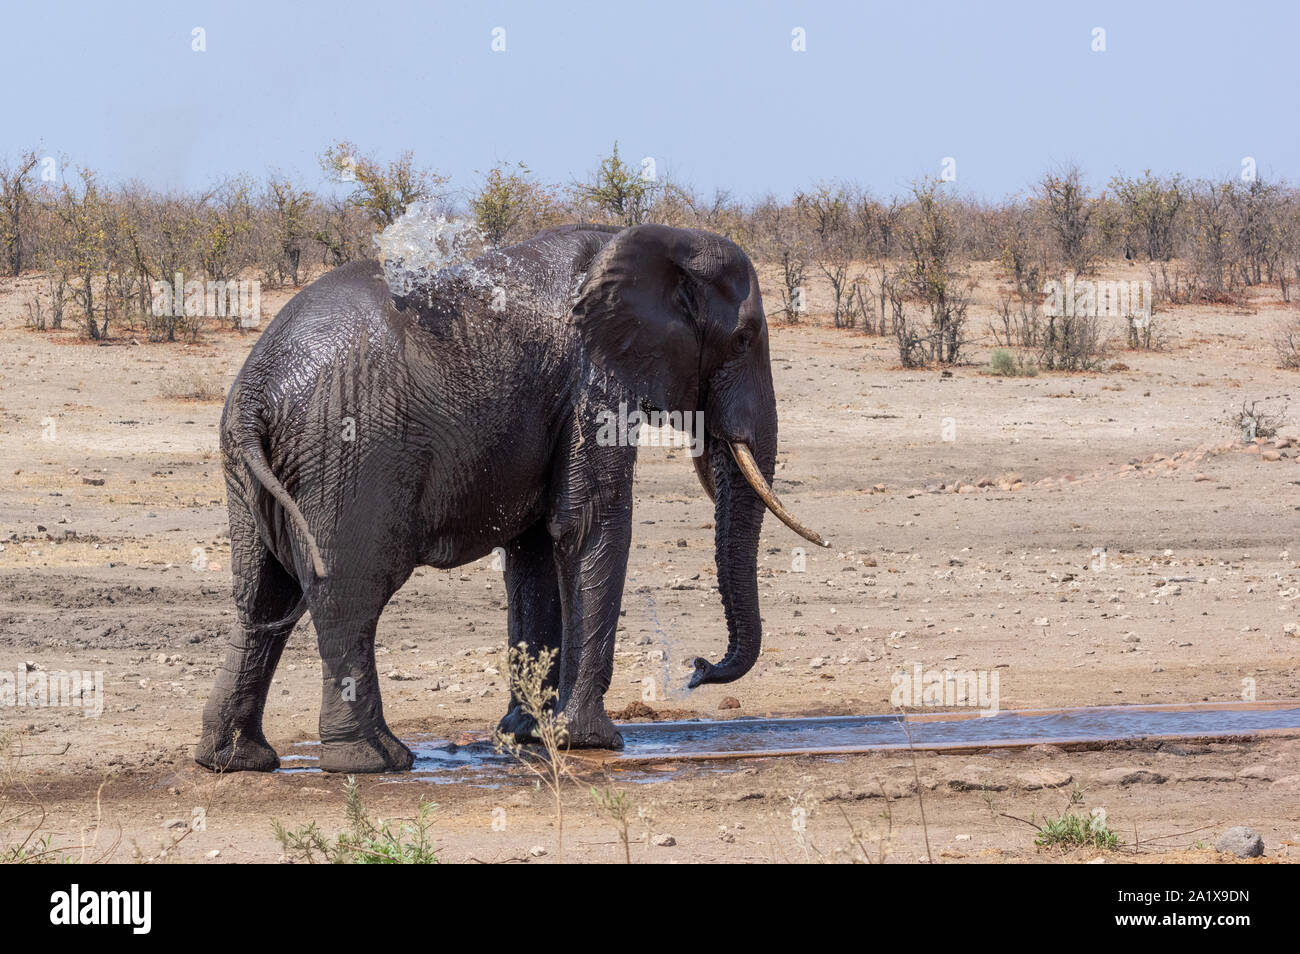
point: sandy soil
(981, 552)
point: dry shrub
(192, 384)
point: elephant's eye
(685, 299)
(742, 340)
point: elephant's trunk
(738, 518)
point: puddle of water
(946, 730)
(440, 761)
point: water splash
(422, 243)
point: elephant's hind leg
(354, 736)
(535, 617)
(269, 602)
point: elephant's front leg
(535, 621)
(592, 530)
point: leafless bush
(1149, 214)
(935, 278)
(1253, 420)
(782, 238)
(1286, 341)
(193, 384)
(15, 210)
(1213, 249)
(1020, 321)
(912, 339)
(835, 244)
(1068, 211)
(1071, 343)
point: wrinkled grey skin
(472, 408)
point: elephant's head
(676, 316)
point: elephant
(375, 428)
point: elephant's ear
(635, 312)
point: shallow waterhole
(649, 745)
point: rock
(974, 779)
(729, 702)
(1043, 778)
(93, 481)
(1265, 773)
(663, 841)
(537, 851)
(1269, 455)
(176, 823)
(1130, 776)
(1046, 750)
(1241, 841)
(1200, 478)
(817, 663)
(1291, 629)
(214, 853)
(1184, 748)
(1207, 775)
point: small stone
(1044, 778)
(537, 851)
(663, 841)
(214, 853)
(1269, 455)
(176, 823)
(817, 663)
(1184, 748)
(1130, 776)
(1241, 841)
(973, 779)
(1264, 773)
(729, 702)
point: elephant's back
(326, 338)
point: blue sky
(712, 90)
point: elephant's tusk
(749, 467)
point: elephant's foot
(380, 752)
(592, 728)
(519, 724)
(236, 752)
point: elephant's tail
(255, 458)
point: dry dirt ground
(1094, 538)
